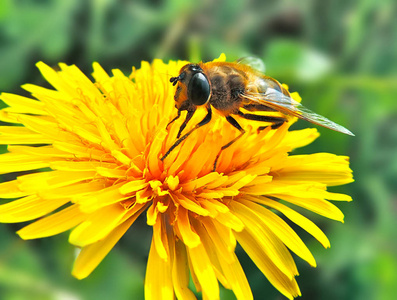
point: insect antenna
(174, 80)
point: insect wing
(280, 102)
(254, 62)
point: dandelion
(100, 145)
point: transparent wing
(285, 104)
(254, 62)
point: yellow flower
(101, 145)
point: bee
(230, 87)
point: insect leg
(277, 121)
(258, 107)
(236, 125)
(204, 121)
(189, 115)
(174, 119)
(274, 126)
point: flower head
(101, 145)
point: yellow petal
(158, 279)
(215, 204)
(194, 164)
(10, 189)
(87, 134)
(50, 180)
(172, 182)
(227, 192)
(81, 165)
(319, 206)
(153, 156)
(300, 138)
(221, 243)
(121, 157)
(210, 195)
(98, 225)
(79, 80)
(200, 182)
(327, 168)
(190, 204)
(246, 180)
(101, 77)
(151, 215)
(82, 152)
(122, 132)
(45, 94)
(211, 208)
(213, 254)
(20, 104)
(281, 230)
(14, 162)
(227, 234)
(236, 277)
(106, 139)
(219, 182)
(46, 151)
(282, 187)
(202, 268)
(229, 219)
(9, 117)
(53, 224)
(29, 208)
(189, 237)
(270, 243)
(16, 130)
(21, 135)
(23, 166)
(100, 198)
(337, 196)
(193, 275)
(48, 127)
(91, 256)
(54, 79)
(133, 186)
(160, 239)
(182, 156)
(180, 271)
(287, 286)
(298, 219)
(74, 191)
(259, 180)
(221, 57)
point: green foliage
(340, 55)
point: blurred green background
(340, 55)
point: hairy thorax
(227, 84)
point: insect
(230, 87)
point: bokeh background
(340, 55)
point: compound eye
(199, 89)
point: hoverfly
(231, 86)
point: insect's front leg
(174, 119)
(189, 115)
(204, 121)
